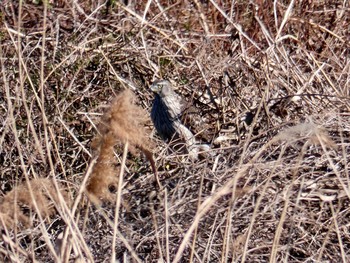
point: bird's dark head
(162, 87)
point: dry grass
(271, 80)
(122, 123)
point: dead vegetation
(39, 195)
(271, 80)
(122, 123)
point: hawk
(166, 114)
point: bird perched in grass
(166, 109)
(166, 116)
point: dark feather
(162, 119)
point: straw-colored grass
(270, 81)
